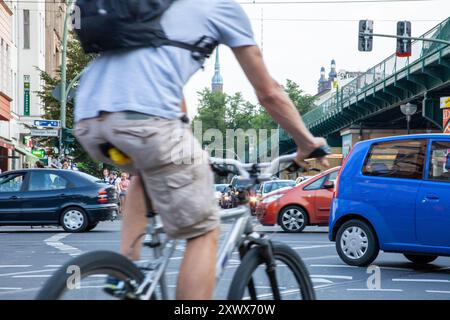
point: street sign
(38, 153)
(47, 123)
(44, 133)
(445, 103)
(26, 97)
(57, 94)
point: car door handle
(431, 198)
(14, 198)
(63, 195)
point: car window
(268, 187)
(316, 184)
(333, 176)
(44, 181)
(396, 159)
(440, 162)
(11, 182)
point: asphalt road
(29, 256)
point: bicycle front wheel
(83, 278)
(251, 280)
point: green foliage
(77, 61)
(221, 111)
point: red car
(308, 203)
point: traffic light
(404, 45)
(365, 35)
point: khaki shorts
(169, 160)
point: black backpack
(107, 25)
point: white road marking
(421, 280)
(332, 277)
(318, 258)
(25, 272)
(320, 280)
(16, 266)
(332, 266)
(53, 266)
(437, 291)
(10, 288)
(34, 276)
(377, 290)
(313, 247)
(347, 266)
(176, 258)
(55, 242)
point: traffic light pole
(406, 38)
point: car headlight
(272, 198)
(253, 199)
(226, 198)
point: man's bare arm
(273, 98)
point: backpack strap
(201, 50)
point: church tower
(217, 80)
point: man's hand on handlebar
(309, 152)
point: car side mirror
(328, 185)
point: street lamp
(408, 110)
(64, 71)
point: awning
(30, 157)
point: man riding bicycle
(131, 99)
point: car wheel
(356, 243)
(74, 220)
(420, 259)
(293, 219)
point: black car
(72, 199)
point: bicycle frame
(242, 229)
(157, 268)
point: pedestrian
(39, 164)
(105, 177)
(123, 188)
(65, 164)
(112, 115)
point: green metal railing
(386, 69)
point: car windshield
(272, 186)
(238, 183)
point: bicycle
(256, 251)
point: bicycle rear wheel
(251, 280)
(83, 278)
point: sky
(298, 39)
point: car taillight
(102, 196)
(336, 188)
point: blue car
(393, 194)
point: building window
(26, 29)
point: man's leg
(134, 220)
(198, 270)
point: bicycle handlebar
(243, 168)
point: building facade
(54, 25)
(6, 85)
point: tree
(77, 61)
(303, 101)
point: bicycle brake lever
(320, 152)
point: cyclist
(131, 99)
